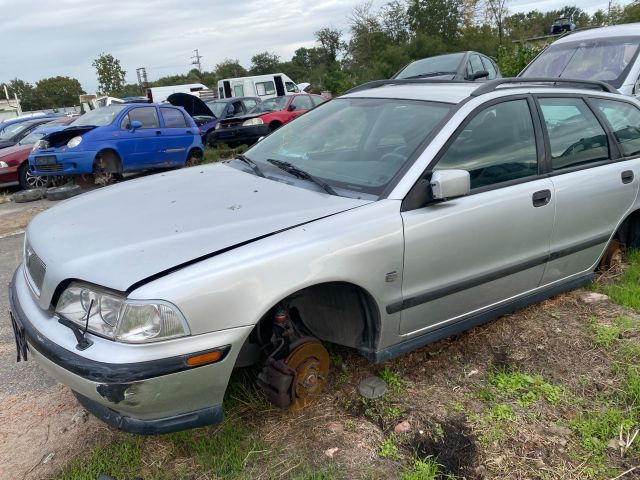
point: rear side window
(624, 119)
(250, 103)
(265, 88)
(575, 135)
(290, 86)
(317, 100)
(497, 145)
(145, 115)
(488, 66)
(302, 102)
(172, 118)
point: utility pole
(141, 73)
(196, 60)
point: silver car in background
(398, 214)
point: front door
(467, 254)
(137, 148)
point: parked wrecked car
(608, 54)
(349, 225)
(119, 138)
(207, 114)
(452, 66)
(263, 119)
(13, 133)
(14, 161)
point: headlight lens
(218, 126)
(74, 142)
(252, 121)
(115, 317)
(40, 144)
(4, 164)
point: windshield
(271, 105)
(12, 130)
(442, 64)
(100, 116)
(217, 108)
(353, 144)
(604, 59)
(32, 138)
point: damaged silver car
(398, 214)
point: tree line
(380, 42)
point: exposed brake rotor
(310, 360)
(613, 256)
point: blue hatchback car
(119, 138)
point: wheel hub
(613, 256)
(310, 362)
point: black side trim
(199, 418)
(474, 320)
(91, 369)
(491, 276)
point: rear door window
(575, 135)
(172, 118)
(624, 120)
(302, 102)
(145, 115)
(317, 100)
(250, 103)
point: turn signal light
(202, 359)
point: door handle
(189, 132)
(627, 176)
(541, 198)
(158, 132)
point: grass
(426, 469)
(626, 290)
(388, 449)
(221, 152)
(526, 388)
(394, 381)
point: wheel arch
(110, 160)
(628, 232)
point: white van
(609, 54)
(160, 94)
(262, 86)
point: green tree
(58, 91)
(331, 44)
(438, 18)
(111, 76)
(264, 62)
(229, 68)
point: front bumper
(241, 135)
(144, 397)
(66, 163)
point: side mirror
(479, 74)
(292, 107)
(136, 124)
(450, 183)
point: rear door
(301, 104)
(468, 254)
(176, 137)
(595, 185)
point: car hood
(121, 235)
(60, 137)
(192, 104)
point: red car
(14, 161)
(263, 119)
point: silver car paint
(174, 218)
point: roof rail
(492, 85)
(402, 81)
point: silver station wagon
(398, 214)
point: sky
(45, 38)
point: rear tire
(28, 180)
(194, 157)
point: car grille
(35, 267)
(50, 168)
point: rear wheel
(28, 180)
(613, 256)
(194, 157)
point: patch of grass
(595, 429)
(389, 449)
(606, 335)
(626, 291)
(426, 469)
(221, 152)
(120, 460)
(394, 381)
(527, 389)
(492, 423)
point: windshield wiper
(432, 74)
(254, 166)
(298, 172)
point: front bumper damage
(150, 396)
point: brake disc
(310, 362)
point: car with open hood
(400, 213)
(15, 132)
(263, 119)
(14, 161)
(119, 138)
(208, 114)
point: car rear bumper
(145, 397)
(241, 135)
(66, 163)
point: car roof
(434, 92)
(626, 30)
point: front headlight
(74, 142)
(115, 317)
(252, 121)
(218, 126)
(40, 144)
(4, 165)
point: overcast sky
(44, 38)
